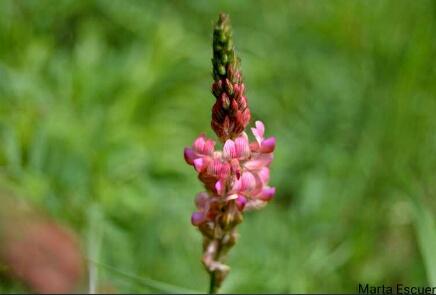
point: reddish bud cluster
(230, 114)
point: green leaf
(426, 234)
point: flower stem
(213, 260)
(214, 288)
(215, 282)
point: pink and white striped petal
(229, 150)
(258, 131)
(209, 147)
(247, 180)
(244, 184)
(199, 143)
(219, 169)
(203, 146)
(242, 148)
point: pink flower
(263, 146)
(205, 204)
(262, 150)
(239, 173)
(201, 153)
(236, 151)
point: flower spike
(230, 114)
(235, 178)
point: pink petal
(236, 168)
(260, 127)
(258, 186)
(201, 164)
(198, 144)
(260, 161)
(189, 155)
(209, 147)
(219, 169)
(202, 201)
(245, 184)
(258, 131)
(247, 181)
(256, 135)
(232, 197)
(268, 145)
(240, 202)
(229, 150)
(242, 148)
(244, 135)
(220, 186)
(264, 175)
(198, 218)
(203, 146)
(266, 194)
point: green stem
(214, 289)
(215, 281)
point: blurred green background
(99, 98)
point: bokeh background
(98, 99)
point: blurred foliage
(99, 98)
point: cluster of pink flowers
(239, 173)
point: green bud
(223, 51)
(224, 59)
(229, 45)
(222, 37)
(221, 69)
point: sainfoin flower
(239, 173)
(235, 177)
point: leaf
(426, 234)
(156, 285)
